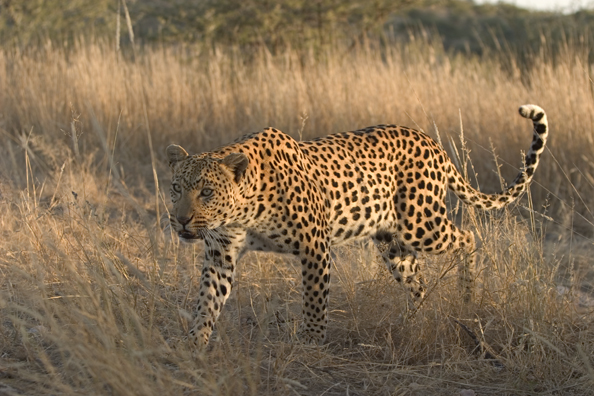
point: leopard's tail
(475, 198)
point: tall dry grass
(94, 299)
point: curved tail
(470, 196)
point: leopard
(267, 191)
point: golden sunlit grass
(94, 299)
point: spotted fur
(270, 192)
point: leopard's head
(204, 191)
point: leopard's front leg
(315, 269)
(221, 255)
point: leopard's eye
(206, 192)
(176, 187)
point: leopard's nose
(184, 220)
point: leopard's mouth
(188, 236)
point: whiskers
(214, 240)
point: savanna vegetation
(96, 299)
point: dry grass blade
(481, 346)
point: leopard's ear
(237, 163)
(175, 154)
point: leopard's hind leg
(449, 238)
(402, 263)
